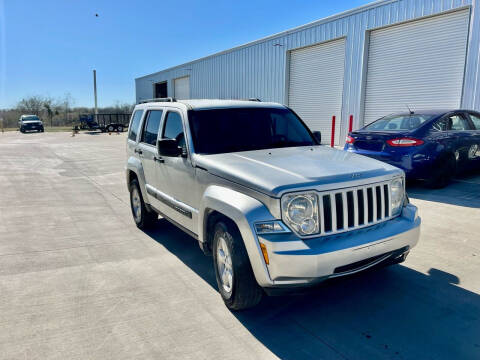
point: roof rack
(167, 99)
(254, 99)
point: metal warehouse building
(366, 62)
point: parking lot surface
(78, 280)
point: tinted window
(152, 124)
(241, 129)
(457, 122)
(398, 122)
(475, 120)
(173, 128)
(134, 124)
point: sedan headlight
(300, 212)
(397, 189)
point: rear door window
(475, 120)
(134, 125)
(458, 123)
(151, 127)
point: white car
(251, 183)
(30, 123)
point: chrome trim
(377, 215)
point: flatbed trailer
(105, 122)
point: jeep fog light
(398, 195)
(270, 227)
(300, 212)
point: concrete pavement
(78, 280)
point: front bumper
(295, 262)
(32, 127)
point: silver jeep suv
(254, 186)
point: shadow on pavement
(463, 191)
(395, 312)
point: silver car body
(247, 188)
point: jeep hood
(274, 171)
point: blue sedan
(428, 145)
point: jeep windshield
(217, 131)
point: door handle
(158, 159)
(138, 151)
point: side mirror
(318, 136)
(168, 147)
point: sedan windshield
(398, 122)
(216, 131)
(29, 118)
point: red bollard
(350, 124)
(332, 141)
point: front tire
(120, 128)
(234, 274)
(143, 217)
(111, 128)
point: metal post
(95, 94)
(332, 140)
(350, 124)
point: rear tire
(120, 128)
(442, 172)
(233, 271)
(110, 128)
(143, 217)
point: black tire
(22, 130)
(243, 292)
(143, 217)
(442, 172)
(120, 128)
(110, 128)
(42, 130)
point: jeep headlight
(300, 212)
(397, 191)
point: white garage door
(182, 88)
(316, 86)
(419, 64)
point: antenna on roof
(409, 110)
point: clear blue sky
(49, 47)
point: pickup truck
(253, 185)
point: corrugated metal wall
(258, 69)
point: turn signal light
(349, 140)
(405, 142)
(265, 253)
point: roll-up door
(419, 64)
(316, 85)
(182, 87)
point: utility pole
(95, 93)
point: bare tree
(67, 102)
(31, 105)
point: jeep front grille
(354, 208)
